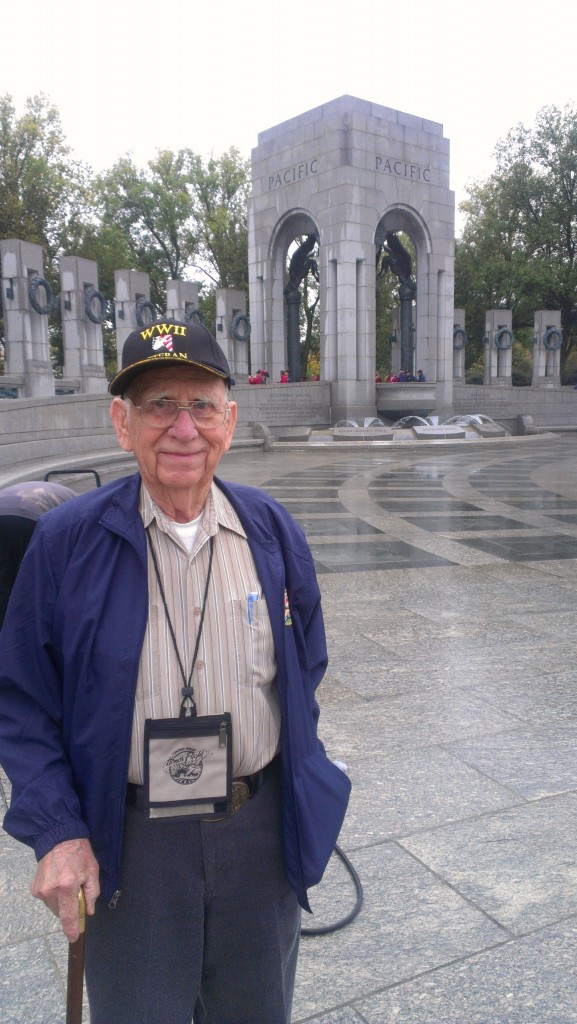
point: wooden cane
(75, 987)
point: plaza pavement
(449, 582)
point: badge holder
(187, 760)
(188, 766)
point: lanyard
(188, 706)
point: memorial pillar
(27, 302)
(83, 309)
(547, 341)
(132, 305)
(459, 343)
(182, 300)
(498, 345)
(233, 332)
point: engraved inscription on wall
(403, 169)
(383, 164)
(287, 405)
(295, 173)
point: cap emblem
(163, 341)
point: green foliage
(180, 218)
(519, 245)
(220, 192)
(43, 191)
(521, 362)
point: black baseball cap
(169, 343)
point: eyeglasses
(163, 412)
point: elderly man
(158, 665)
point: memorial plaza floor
(449, 582)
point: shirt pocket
(250, 643)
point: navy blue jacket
(69, 656)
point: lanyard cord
(188, 706)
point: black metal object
(74, 472)
(21, 506)
(394, 257)
(301, 263)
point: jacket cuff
(61, 834)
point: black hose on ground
(344, 921)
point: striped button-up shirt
(235, 669)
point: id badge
(188, 766)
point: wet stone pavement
(449, 582)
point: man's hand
(59, 877)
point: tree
(519, 244)
(43, 191)
(180, 217)
(220, 193)
(152, 211)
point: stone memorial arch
(352, 175)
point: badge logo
(163, 341)
(185, 765)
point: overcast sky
(135, 77)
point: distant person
(284, 377)
(402, 376)
(20, 509)
(421, 377)
(378, 378)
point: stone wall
(549, 407)
(73, 427)
(282, 405)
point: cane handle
(81, 910)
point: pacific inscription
(403, 169)
(295, 173)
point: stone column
(83, 308)
(182, 300)
(547, 340)
(26, 330)
(131, 303)
(231, 303)
(349, 357)
(459, 343)
(498, 344)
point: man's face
(177, 463)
